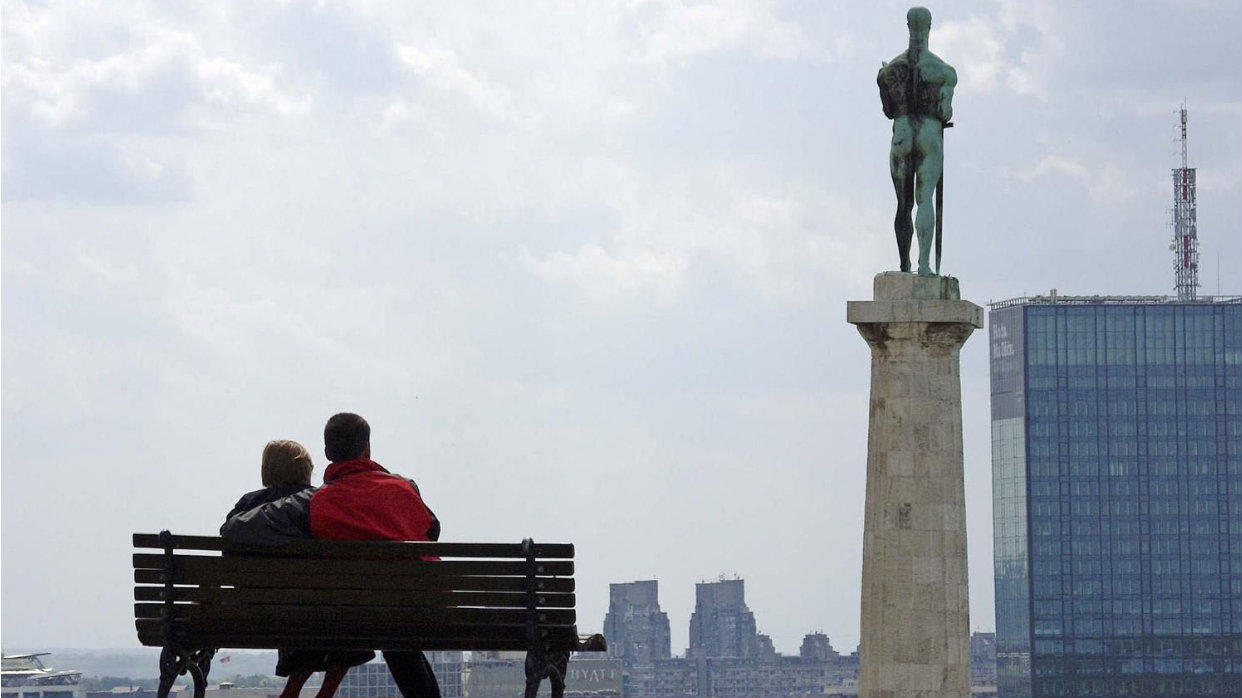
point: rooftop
(1054, 299)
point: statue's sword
(940, 201)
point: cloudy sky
(583, 265)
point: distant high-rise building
(636, 629)
(722, 625)
(1117, 496)
(982, 659)
(817, 646)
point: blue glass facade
(1117, 494)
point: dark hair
(345, 436)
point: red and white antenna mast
(1185, 246)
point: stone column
(915, 608)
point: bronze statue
(916, 90)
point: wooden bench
(199, 593)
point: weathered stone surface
(934, 311)
(900, 286)
(915, 616)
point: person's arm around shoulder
(283, 521)
(243, 504)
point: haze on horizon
(582, 266)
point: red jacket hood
(361, 500)
(352, 466)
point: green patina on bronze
(916, 90)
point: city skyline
(584, 269)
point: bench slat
(292, 614)
(495, 639)
(324, 632)
(354, 581)
(193, 563)
(366, 549)
(355, 597)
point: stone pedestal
(915, 609)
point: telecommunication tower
(1185, 246)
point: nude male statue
(916, 91)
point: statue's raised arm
(916, 92)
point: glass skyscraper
(1117, 496)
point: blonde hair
(286, 463)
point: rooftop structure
(817, 646)
(1185, 245)
(1053, 298)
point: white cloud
(677, 30)
(783, 240)
(441, 68)
(1011, 48)
(1105, 183)
(96, 102)
(607, 278)
(157, 78)
(976, 52)
(230, 86)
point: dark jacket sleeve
(283, 521)
(242, 505)
(251, 500)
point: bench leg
(203, 659)
(536, 669)
(199, 676)
(174, 663)
(200, 660)
(168, 671)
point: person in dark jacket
(359, 500)
(286, 469)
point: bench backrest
(201, 592)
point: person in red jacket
(359, 500)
